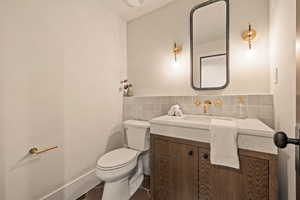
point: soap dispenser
(242, 107)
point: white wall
(61, 62)
(151, 38)
(283, 57)
(298, 63)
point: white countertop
(245, 126)
(253, 133)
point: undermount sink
(193, 121)
(203, 118)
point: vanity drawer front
(175, 170)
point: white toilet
(122, 169)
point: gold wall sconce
(249, 35)
(177, 50)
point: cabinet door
(251, 182)
(175, 171)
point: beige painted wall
(61, 62)
(151, 38)
(298, 64)
(283, 57)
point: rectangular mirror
(210, 45)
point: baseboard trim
(75, 188)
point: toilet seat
(117, 159)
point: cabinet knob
(191, 153)
(205, 155)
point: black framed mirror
(209, 42)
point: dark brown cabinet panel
(181, 170)
(250, 182)
(175, 171)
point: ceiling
(130, 13)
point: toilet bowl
(122, 169)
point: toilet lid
(117, 158)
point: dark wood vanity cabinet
(175, 171)
(181, 170)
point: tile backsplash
(148, 107)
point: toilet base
(118, 190)
(124, 188)
(121, 190)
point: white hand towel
(171, 113)
(176, 107)
(223, 145)
(173, 109)
(179, 113)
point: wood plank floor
(96, 193)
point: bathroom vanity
(181, 168)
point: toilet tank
(137, 134)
